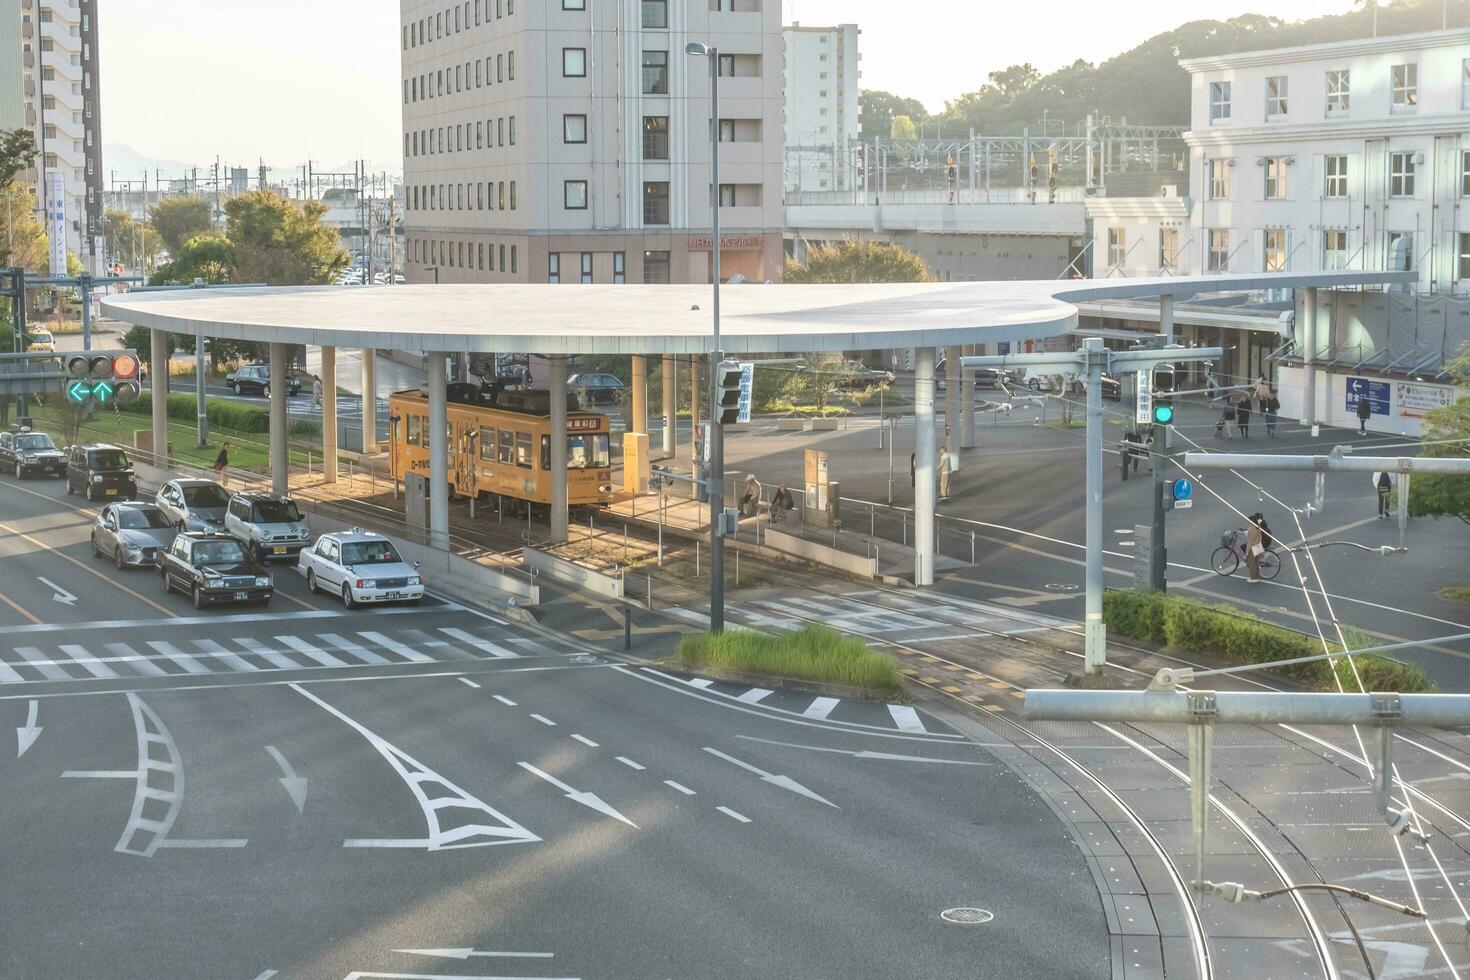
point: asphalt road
(310, 792)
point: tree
(903, 128)
(23, 240)
(877, 108)
(17, 150)
(135, 243)
(850, 262)
(825, 375)
(282, 242)
(207, 257)
(178, 219)
(1446, 433)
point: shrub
(220, 412)
(815, 653)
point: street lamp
(716, 475)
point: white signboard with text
(1414, 398)
(56, 220)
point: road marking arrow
(61, 595)
(591, 800)
(464, 954)
(295, 785)
(26, 735)
(785, 782)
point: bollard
(737, 569)
(696, 558)
(872, 521)
(650, 592)
(625, 543)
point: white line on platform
(731, 813)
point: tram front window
(587, 452)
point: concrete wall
(570, 573)
(821, 554)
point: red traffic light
(125, 366)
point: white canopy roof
(638, 319)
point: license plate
(392, 595)
(241, 595)
(111, 492)
(279, 549)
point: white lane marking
(469, 683)
(100, 774)
(178, 656)
(890, 756)
(267, 974)
(585, 741)
(754, 695)
(590, 800)
(629, 762)
(906, 718)
(39, 660)
(821, 708)
(352, 649)
(494, 649)
(127, 655)
(206, 843)
(700, 682)
(61, 595)
(230, 660)
(466, 953)
(544, 720)
(9, 675)
(311, 651)
(261, 650)
(680, 787)
(404, 651)
(775, 779)
(731, 813)
(26, 735)
(503, 700)
(360, 975)
(82, 656)
(216, 620)
(295, 786)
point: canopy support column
(924, 489)
(438, 440)
(279, 385)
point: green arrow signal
(102, 391)
(79, 391)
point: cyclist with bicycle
(1255, 547)
(1252, 546)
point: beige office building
(568, 141)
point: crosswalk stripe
(754, 695)
(40, 661)
(9, 675)
(223, 656)
(351, 649)
(88, 662)
(178, 656)
(419, 640)
(494, 649)
(906, 718)
(258, 649)
(821, 707)
(700, 682)
(135, 660)
(315, 653)
(393, 646)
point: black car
(26, 452)
(255, 379)
(213, 568)
(100, 472)
(597, 387)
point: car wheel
(96, 551)
(235, 387)
(413, 602)
(347, 599)
(118, 560)
(71, 491)
(198, 598)
(168, 586)
(90, 496)
(265, 392)
(20, 473)
(311, 581)
(257, 554)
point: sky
(291, 80)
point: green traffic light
(1163, 414)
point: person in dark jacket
(1243, 417)
(1365, 412)
(1271, 406)
(1227, 416)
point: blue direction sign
(1183, 489)
(1376, 392)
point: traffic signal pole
(1158, 558)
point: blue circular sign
(1182, 489)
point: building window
(1220, 180)
(1401, 174)
(1336, 171)
(510, 66)
(512, 255)
(574, 4)
(1465, 84)
(727, 66)
(727, 195)
(727, 130)
(1273, 250)
(1219, 101)
(1218, 259)
(1405, 85)
(1276, 97)
(655, 73)
(574, 195)
(553, 268)
(655, 137)
(1334, 248)
(512, 129)
(655, 202)
(1117, 247)
(574, 129)
(1338, 91)
(1168, 248)
(1275, 178)
(574, 62)
(586, 267)
(656, 267)
(620, 272)
(1406, 261)
(480, 249)
(512, 207)
(500, 67)
(502, 258)
(1465, 174)
(655, 13)
(1462, 267)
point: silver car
(194, 504)
(132, 534)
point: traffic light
(1051, 179)
(1163, 392)
(728, 375)
(102, 376)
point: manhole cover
(1061, 587)
(966, 917)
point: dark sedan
(597, 388)
(213, 568)
(26, 452)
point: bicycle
(1227, 558)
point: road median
(814, 654)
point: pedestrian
(913, 470)
(316, 391)
(1243, 417)
(1383, 483)
(1365, 412)
(1255, 547)
(1129, 451)
(1267, 541)
(222, 464)
(1263, 390)
(750, 500)
(1272, 407)
(944, 468)
(1212, 387)
(780, 504)
(1227, 418)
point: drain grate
(966, 917)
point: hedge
(814, 653)
(1236, 636)
(220, 412)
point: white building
(823, 75)
(568, 141)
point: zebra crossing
(183, 656)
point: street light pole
(715, 432)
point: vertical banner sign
(1145, 398)
(56, 224)
(747, 379)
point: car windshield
(368, 553)
(224, 552)
(33, 441)
(110, 459)
(276, 511)
(141, 518)
(206, 495)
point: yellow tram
(503, 448)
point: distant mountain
(128, 164)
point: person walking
(1255, 547)
(222, 464)
(1263, 390)
(913, 470)
(1243, 417)
(1272, 407)
(1365, 412)
(944, 470)
(1227, 418)
(1383, 483)
(1125, 452)
(316, 391)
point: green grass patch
(1454, 593)
(1238, 637)
(815, 653)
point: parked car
(42, 340)
(361, 567)
(213, 568)
(99, 471)
(1037, 380)
(984, 377)
(194, 504)
(597, 388)
(132, 534)
(255, 379)
(26, 452)
(862, 378)
(270, 527)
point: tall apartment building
(823, 75)
(49, 84)
(568, 140)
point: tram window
(523, 450)
(424, 425)
(487, 444)
(507, 446)
(587, 452)
(414, 438)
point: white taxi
(362, 567)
